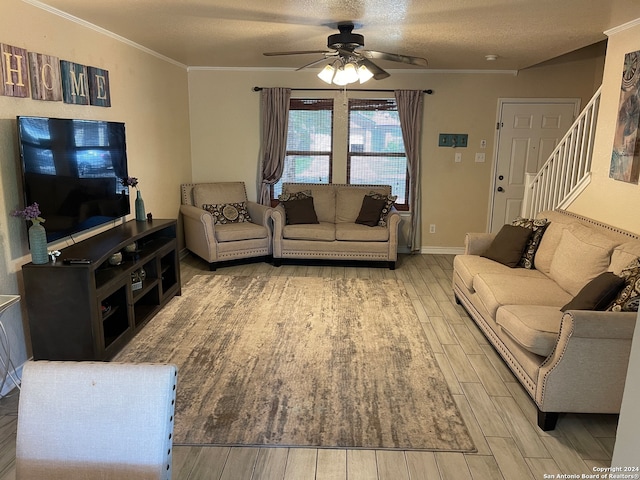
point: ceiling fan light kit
(345, 74)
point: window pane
(381, 171)
(309, 143)
(303, 169)
(376, 149)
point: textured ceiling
(451, 34)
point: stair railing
(568, 170)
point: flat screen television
(74, 169)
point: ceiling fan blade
(378, 73)
(394, 57)
(315, 62)
(301, 52)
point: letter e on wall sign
(99, 87)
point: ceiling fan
(348, 62)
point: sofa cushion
(324, 201)
(355, 232)
(623, 255)
(300, 211)
(370, 211)
(216, 193)
(468, 266)
(348, 204)
(228, 212)
(629, 297)
(508, 245)
(232, 232)
(548, 245)
(534, 327)
(537, 226)
(496, 289)
(320, 231)
(582, 255)
(389, 201)
(598, 294)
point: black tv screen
(74, 169)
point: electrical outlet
(479, 157)
(458, 157)
(432, 228)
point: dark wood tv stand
(90, 311)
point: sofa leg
(277, 262)
(212, 266)
(547, 420)
(392, 265)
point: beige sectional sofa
(337, 236)
(571, 361)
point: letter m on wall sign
(15, 71)
(75, 83)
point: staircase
(567, 172)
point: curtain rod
(257, 89)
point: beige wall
(225, 128)
(605, 199)
(147, 93)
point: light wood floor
(498, 412)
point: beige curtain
(410, 112)
(275, 120)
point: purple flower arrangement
(32, 212)
(129, 182)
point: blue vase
(141, 216)
(38, 244)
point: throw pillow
(370, 210)
(537, 226)
(629, 297)
(508, 245)
(389, 201)
(300, 211)
(228, 212)
(598, 294)
(286, 196)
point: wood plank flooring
(499, 414)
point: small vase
(38, 244)
(140, 214)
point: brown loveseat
(337, 236)
(571, 361)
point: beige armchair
(224, 231)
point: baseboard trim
(442, 250)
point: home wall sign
(625, 158)
(52, 79)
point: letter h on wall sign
(15, 72)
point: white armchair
(215, 238)
(86, 420)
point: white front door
(528, 131)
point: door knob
(500, 189)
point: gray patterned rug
(308, 362)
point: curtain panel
(410, 111)
(275, 122)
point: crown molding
(623, 27)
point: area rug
(301, 361)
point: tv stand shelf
(89, 311)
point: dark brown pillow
(370, 210)
(300, 211)
(508, 245)
(598, 294)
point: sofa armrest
(199, 232)
(393, 222)
(260, 214)
(278, 217)
(477, 243)
(587, 369)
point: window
(376, 152)
(308, 157)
